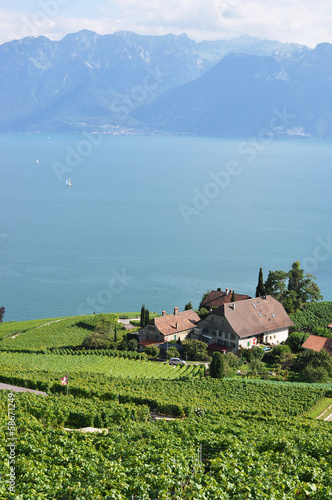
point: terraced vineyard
(231, 439)
(238, 441)
(115, 367)
(315, 314)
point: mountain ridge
(121, 81)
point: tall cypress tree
(147, 317)
(260, 289)
(142, 321)
(233, 299)
(217, 365)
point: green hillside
(314, 314)
(48, 333)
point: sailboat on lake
(68, 183)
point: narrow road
(14, 388)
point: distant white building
(245, 324)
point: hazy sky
(302, 21)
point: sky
(301, 21)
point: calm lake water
(155, 220)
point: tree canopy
(293, 288)
(195, 350)
(2, 312)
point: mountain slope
(92, 81)
(240, 96)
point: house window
(174, 337)
(232, 336)
(248, 344)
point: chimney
(233, 305)
(176, 311)
(164, 313)
(226, 291)
(230, 291)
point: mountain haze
(91, 82)
(241, 94)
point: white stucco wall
(274, 338)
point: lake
(155, 220)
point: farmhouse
(168, 327)
(244, 324)
(217, 298)
(317, 343)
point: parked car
(177, 361)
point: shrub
(152, 350)
(95, 341)
(295, 341)
(317, 374)
(172, 352)
(132, 345)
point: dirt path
(329, 417)
(87, 429)
(51, 322)
(14, 388)
(41, 326)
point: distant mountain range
(127, 83)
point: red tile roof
(317, 343)
(216, 298)
(170, 323)
(255, 316)
(218, 347)
(330, 326)
(149, 342)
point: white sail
(68, 183)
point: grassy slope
(47, 333)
